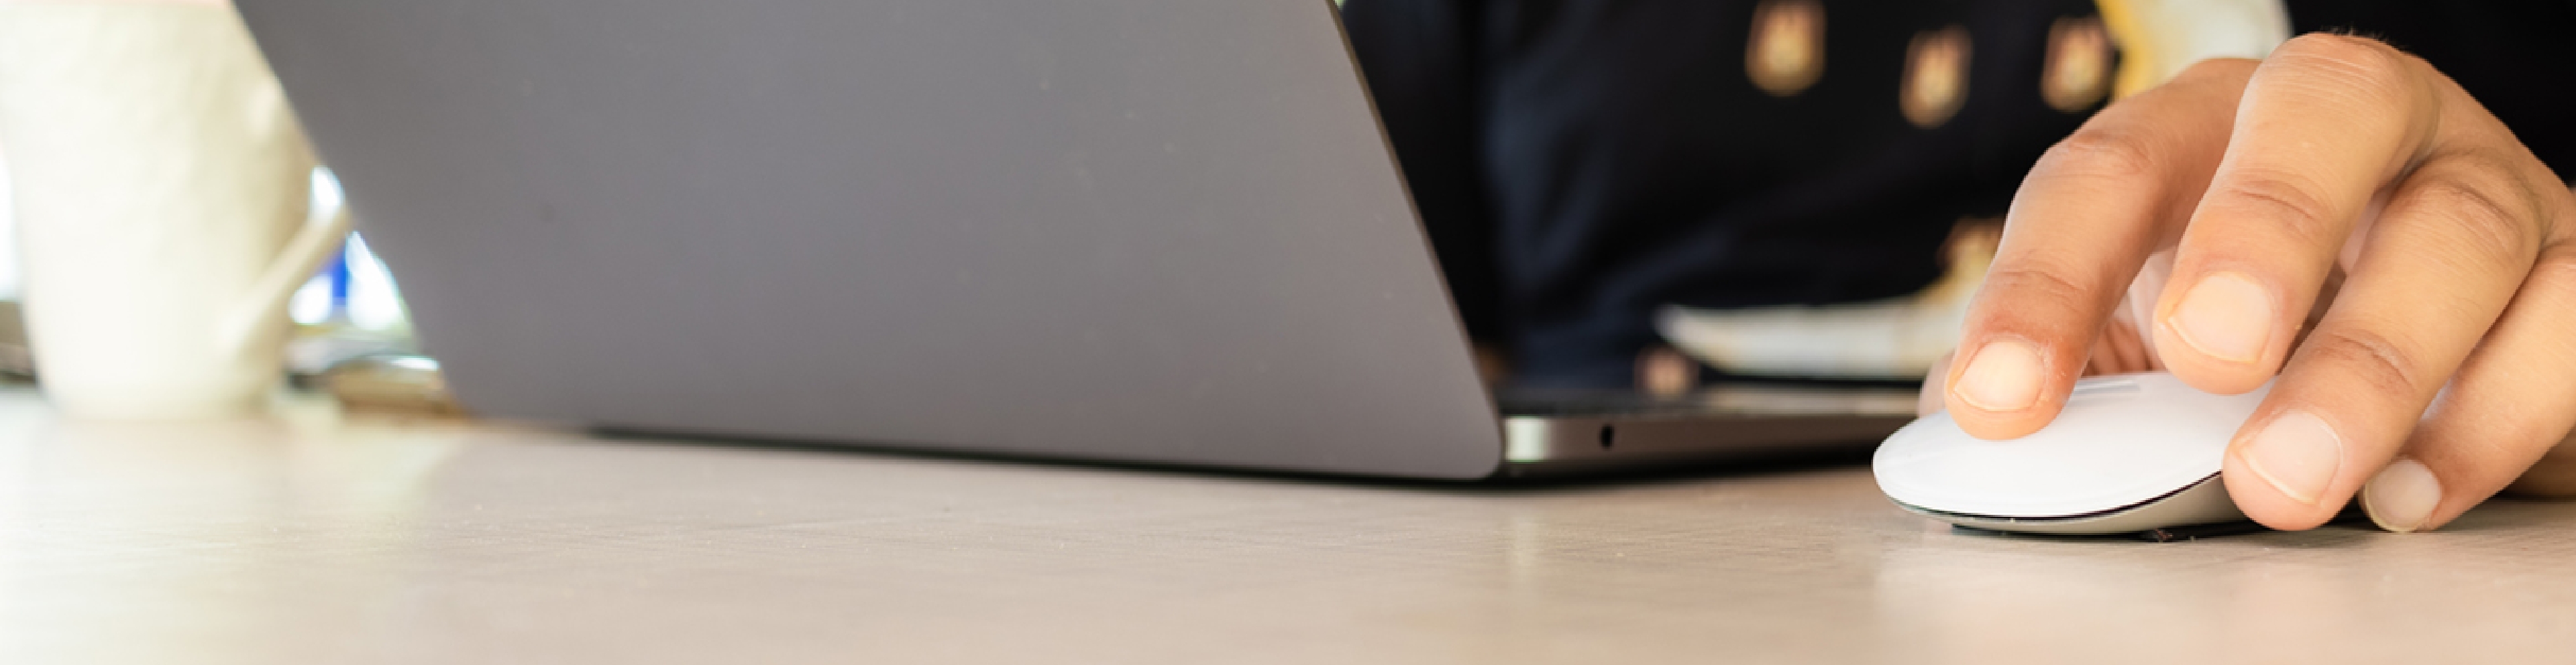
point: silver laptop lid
(1153, 230)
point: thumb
(2127, 337)
(1932, 399)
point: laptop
(1167, 232)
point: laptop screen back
(1151, 230)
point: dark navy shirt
(1581, 163)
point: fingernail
(2297, 453)
(2226, 316)
(2402, 496)
(2003, 376)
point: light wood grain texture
(311, 538)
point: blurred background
(1661, 194)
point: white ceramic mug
(160, 183)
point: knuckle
(2338, 46)
(2551, 284)
(2102, 152)
(2555, 270)
(2558, 211)
(2380, 365)
(2045, 297)
(2475, 205)
(2039, 282)
(2218, 68)
(2288, 201)
(2348, 62)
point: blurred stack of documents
(1893, 339)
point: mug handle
(303, 254)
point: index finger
(2086, 217)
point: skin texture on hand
(2434, 375)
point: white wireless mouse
(2130, 452)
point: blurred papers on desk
(1897, 338)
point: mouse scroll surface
(2122, 442)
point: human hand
(2438, 371)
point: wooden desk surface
(311, 538)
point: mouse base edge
(2204, 504)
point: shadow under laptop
(1756, 463)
